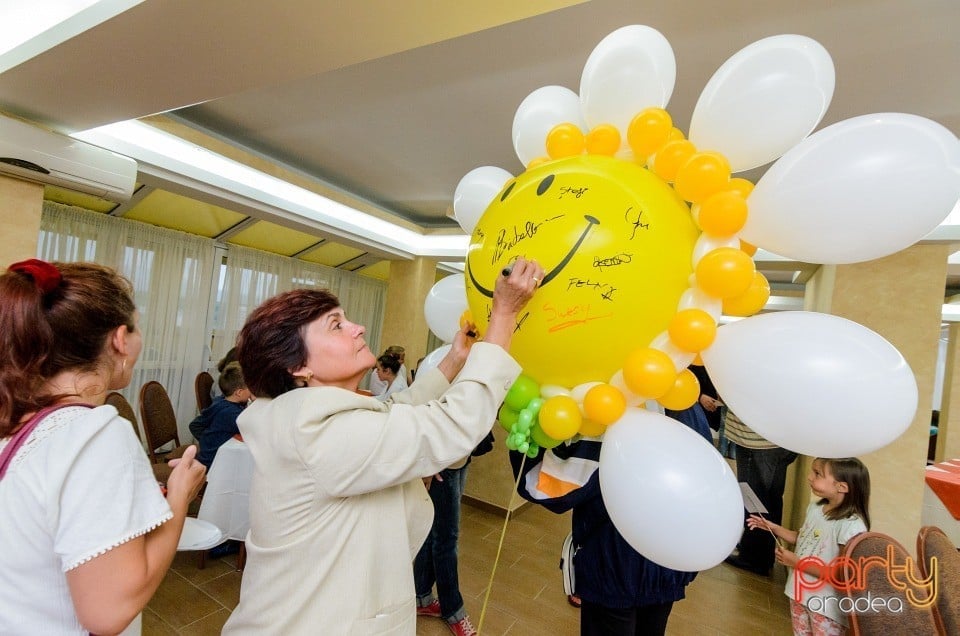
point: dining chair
(202, 386)
(115, 399)
(912, 619)
(933, 543)
(159, 422)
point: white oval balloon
(536, 116)
(580, 391)
(445, 303)
(814, 383)
(548, 391)
(474, 193)
(681, 359)
(696, 298)
(860, 189)
(432, 359)
(668, 492)
(630, 69)
(618, 382)
(764, 100)
(707, 243)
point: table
(941, 498)
(226, 501)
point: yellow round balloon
(560, 417)
(615, 243)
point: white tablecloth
(226, 501)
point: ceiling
(384, 106)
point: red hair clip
(45, 275)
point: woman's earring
(123, 366)
(305, 378)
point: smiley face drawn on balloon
(615, 242)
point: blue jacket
(609, 572)
(219, 423)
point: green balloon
(522, 391)
(525, 418)
(535, 404)
(507, 417)
(533, 450)
(542, 439)
(523, 448)
(511, 444)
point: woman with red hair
(87, 535)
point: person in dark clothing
(621, 591)
(218, 422)
(709, 398)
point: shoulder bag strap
(18, 438)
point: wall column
(21, 203)
(900, 297)
(403, 321)
(948, 439)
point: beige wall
(490, 480)
(21, 203)
(900, 297)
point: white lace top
(80, 486)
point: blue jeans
(765, 471)
(436, 562)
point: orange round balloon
(747, 248)
(539, 161)
(604, 404)
(564, 140)
(723, 213)
(603, 139)
(692, 330)
(649, 130)
(649, 372)
(589, 428)
(738, 184)
(560, 417)
(670, 157)
(751, 301)
(702, 175)
(725, 272)
(683, 394)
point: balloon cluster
(639, 271)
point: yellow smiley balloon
(615, 243)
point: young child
(220, 418)
(843, 486)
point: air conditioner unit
(39, 155)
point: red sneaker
(462, 627)
(433, 609)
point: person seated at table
(219, 420)
(338, 507)
(388, 369)
(87, 535)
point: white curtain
(251, 276)
(171, 274)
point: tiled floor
(527, 593)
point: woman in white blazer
(337, 506)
